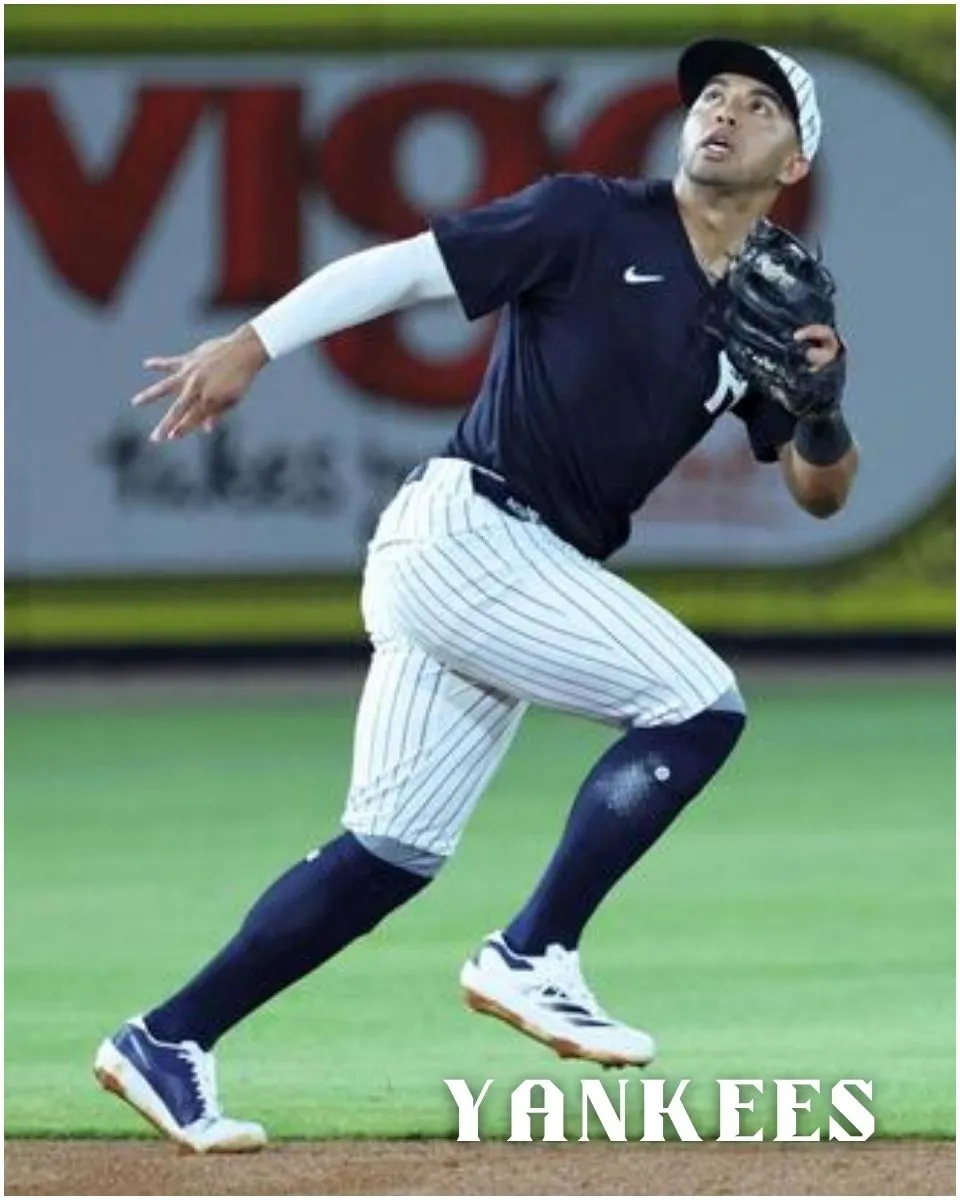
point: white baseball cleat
(173, 1085)
(545, 996)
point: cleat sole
(563, 1047)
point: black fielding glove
(777, 286)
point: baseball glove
(777, 286)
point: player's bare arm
(209, 380)
(821, 491)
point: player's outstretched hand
(204, 383)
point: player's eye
(709, 94)
(762, 106)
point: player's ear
(793, 170)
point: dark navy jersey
(606, 368)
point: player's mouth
(716, 146)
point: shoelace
(562, 971)
(204, 1077)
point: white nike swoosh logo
(632, 275)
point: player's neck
(717, 222)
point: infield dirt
(114, 1168)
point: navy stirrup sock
(627, 801)
(310, 913)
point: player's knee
(401, 854)
(729, 718)
(696, 749)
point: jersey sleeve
(769, 425)
(516, 244)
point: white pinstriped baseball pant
(474, 615)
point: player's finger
(190, 422)
(203, 417)
(156, 363)
(157, 391)
(178, 411)
(815, 333)
(201, 413)
(193, 416)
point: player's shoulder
(612, 189)
(588, 190)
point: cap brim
(700, 62)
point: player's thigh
(514, 607)
(426, 743)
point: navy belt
(491, 487)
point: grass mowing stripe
(796, 923)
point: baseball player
(634, 315)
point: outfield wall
(155, 198)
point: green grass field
(797, 923)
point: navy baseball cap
(700, 62)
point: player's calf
(322, 904)
(632, 795)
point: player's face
(739, 136)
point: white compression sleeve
(353, 290)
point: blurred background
(170, 170)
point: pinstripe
(434, 624)
(470, 720)
(546, 659)
(376, 718)
(684, 643)
(621, 669)
(625, 666)
(480, 768)
(435, 614)
(638, 649)
(474, 614)
(591, 582)
(503, 669)
(491, 587)
(370, 716)
(427, 718)
(556, 560)
(614, 596)
(407, 696)
(509, 723)
(377, 742)
(380, 741)
(458, 770)
(427, 695)
(562, 631)
(517, 615)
